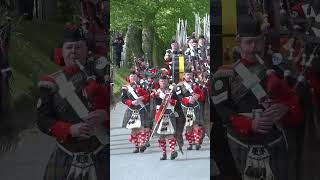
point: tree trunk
(5, 97)
(158, 51)
(45, 9)
(24, 7)
(147, 43)
(50, 9)
(133, 44)
(35, 9)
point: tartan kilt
(60, 163)
(197, 112)
(144, 116)
(278, 158)
(172, 120)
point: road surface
(126, 165)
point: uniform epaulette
(125, 87)
(180, 83)
(48, 82)
(229, 66)
(223, 73)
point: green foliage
(161, 14)
(30, 56)
(120, 75)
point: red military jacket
(184, 94)
(127, 97)
(55, 116)
(281, 93)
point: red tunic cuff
(129, 102)
(146, 99)
(241, 124)
(61, 131)
(168, 72)
(295, 113)
(153, 95)
(185, 100)
(201, 97)
(173, 102)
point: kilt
(60, 163)
(144, 116)
(278, 158)
(172, 120)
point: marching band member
(190, 95)
(166, 128)
(136, 116)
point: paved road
(146, 166)
(28, 161)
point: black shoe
(201, 139)
(164, 157)
(148, 144)
(143, 148)
(198, 146)
(136, 150)
(190, 147)
(174, 155)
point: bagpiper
(136, 116)
(73, 108)
(166, 128)
(205, 125)
(254, 104)
(190, 95)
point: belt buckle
(83, 160)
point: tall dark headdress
(72, 33)
(188, 69)
(249, 28)
(133, 71)
(164, 77)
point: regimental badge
(218, 85)
(277, 59)
(178, 90)
(39, 103)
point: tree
(45, 9)
(158, 20)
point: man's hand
(276, 112)
(96, 118)
(140, 98)
(192, 100)
(81, 130)
(136, 102)
(196, 97)
(262, 124)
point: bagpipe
(300, 31)
(94, 24)
(94, 20)
(196, 58)
(159, 115)
(94, 27)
